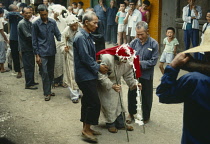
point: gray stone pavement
(25, 118)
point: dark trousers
(47, 72)
(111, 33)
(147, 97)
(15, 55)
(29, 65)
(104, 26)
(118, 123)
(193, 36)
(90, 109)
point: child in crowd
(144, 11)
(70, 9)
(75, 9)
(170, 47)
(121, 26)
(3, 39)
(80, 9)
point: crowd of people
(68, 45)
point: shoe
(5, 71)
(75, 100)
(31, 87)
(19, 75)
(129, 128)
(35, 84)
(52, 94)
(47, 97)
(89, 138)
(112, 130)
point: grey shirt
(148, 54)
(24, 35)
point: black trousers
(147, 98)
(90, 109)
(47, 72)
(29, 65)
(15, 55)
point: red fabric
(121, 52)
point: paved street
(25, 118)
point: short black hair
(74, 3)
(81, 3)
(170, 28)
(208, 11)
(146, 2)
(123, 3)
(42, 7)
(1, 10)
(132, 1)
(23, 5)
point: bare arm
(148, 16)
(4, 36)
(116, 19)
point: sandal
(52, 94)
(129, 128)
(89, 138)
(64, 85)
(5, 71)
(113, 130)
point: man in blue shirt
(100, 10)
(14, 18)
(147, 49)
(86, 74)
(111, 36)
(43, 31)
(193, 89)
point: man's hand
(38, 60)
(116, 87)
(103, 69)
(180, 60)
(130, 12)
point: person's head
(145, 4)
(32, 10)
(90, 21)
(191, 2)
(124, 54)
(1, 12)
(170, 32)
(126, 2)
(89, 9)
(45, 2)
(43, 12)
(132, 4)
(70, 9)
(22, 5)
(1, 5)
(208, 16)
(72, 22)
(80, 4)
(13, 8)
(101, 2)
(122, 6)
(142, 31)
(26, 12)
(74, 5)
(112, 3)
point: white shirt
(132, 21)
(187, 19)
(80, 12)
(1, 27)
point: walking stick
(123, 114)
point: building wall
(155, 22)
